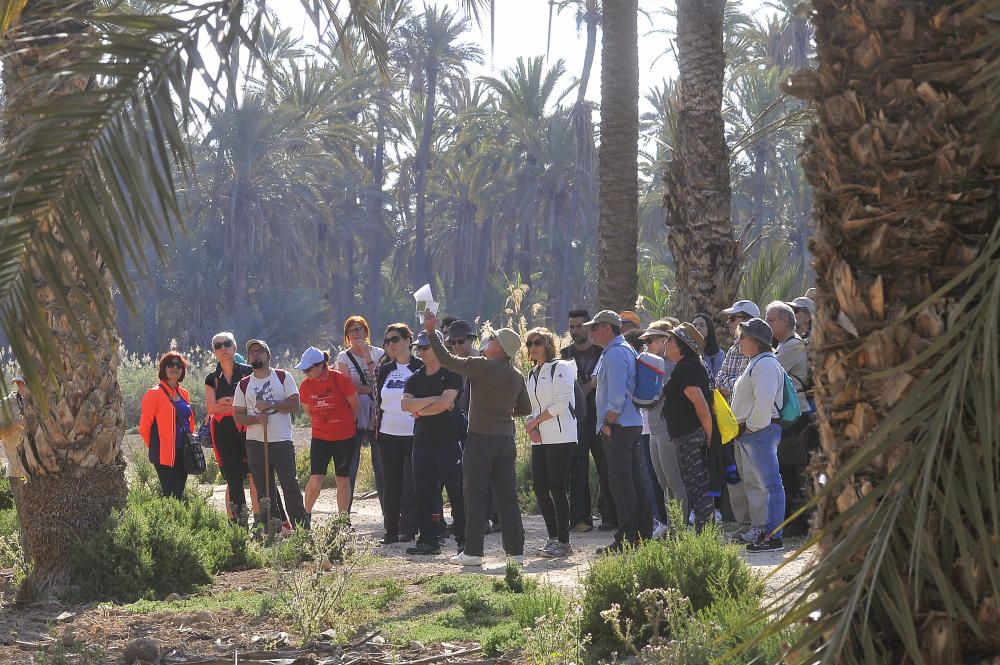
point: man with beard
(264, 403)
(585, 353)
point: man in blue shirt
(620, 426)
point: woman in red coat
(166, 422)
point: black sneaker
(614, 548)
(406, 537)
(766, 545)
(605, 526)
(425, 549)
(389, 539)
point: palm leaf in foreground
(907, 363)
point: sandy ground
(568, 572)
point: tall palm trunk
(378, 250)
(906, 195)
(422, 268)
(697, 196)
(71, 446)
(618, 157)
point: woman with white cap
(662, 451)
(331, 401)
(757, 398)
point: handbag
(204, 436)
(194, 456)
(728, 427)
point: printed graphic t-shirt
(326, 397)
(279, 425)
(395, 421)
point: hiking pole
(267, 489)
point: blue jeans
(760, 449)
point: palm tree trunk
(71, 446)
(377, 251)
(905, 199)
(422, 269)
(697, 196)
(618, 157)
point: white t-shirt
(279, 425)
(395, 421)
(376, 354)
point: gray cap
(743, 307)
(759, 330)
(605, 316)
(460, 331)
(803, 303)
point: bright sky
(521, 29)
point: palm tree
(697, 196)
(435, 54)
(906, 361)
(618, 156)
(82, 192)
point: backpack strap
(244, 384)
(357, 366)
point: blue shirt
(615, 383)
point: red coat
(159, 412)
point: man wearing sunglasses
(498, 395)
(747, 499)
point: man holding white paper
(498, 394)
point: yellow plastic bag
(728, 427)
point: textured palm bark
(618, 157)
(697, 190)
(71, 447)
(905, 197)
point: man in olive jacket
(498, 393)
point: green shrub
(700, 566)
(8, 522)
(156, 546)
(6, 497)
(707, 636)
(302, 468)
(502, 638)
(540, 601)
(212, 473)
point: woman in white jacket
(552, 429)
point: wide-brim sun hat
(605, 316)
(654, 332)
(688, 335)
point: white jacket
(550, 388)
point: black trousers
(490, 458)
(581, 504)
(549, 471)
(281, 459)
(230, 443)
(399, 515)
(172, 478)
(437, 464)
(627, 478)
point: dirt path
(566, 573)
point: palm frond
(929, 528)
(88, 177)
(770, 276)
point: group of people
(438, 407)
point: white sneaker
(749, 536)
(464, 559)
(718, 516)
(660, 530)
(516, 558)
(548, 544)
(691, 518)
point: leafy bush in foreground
(699, 566)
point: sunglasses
(422, 348)
(534, 342)
(222, 345)
(738, 317)
(175, 364)
(393, 340)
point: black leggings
(550, 464)
(230, 443)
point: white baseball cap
(744, 307)
(310, 357)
